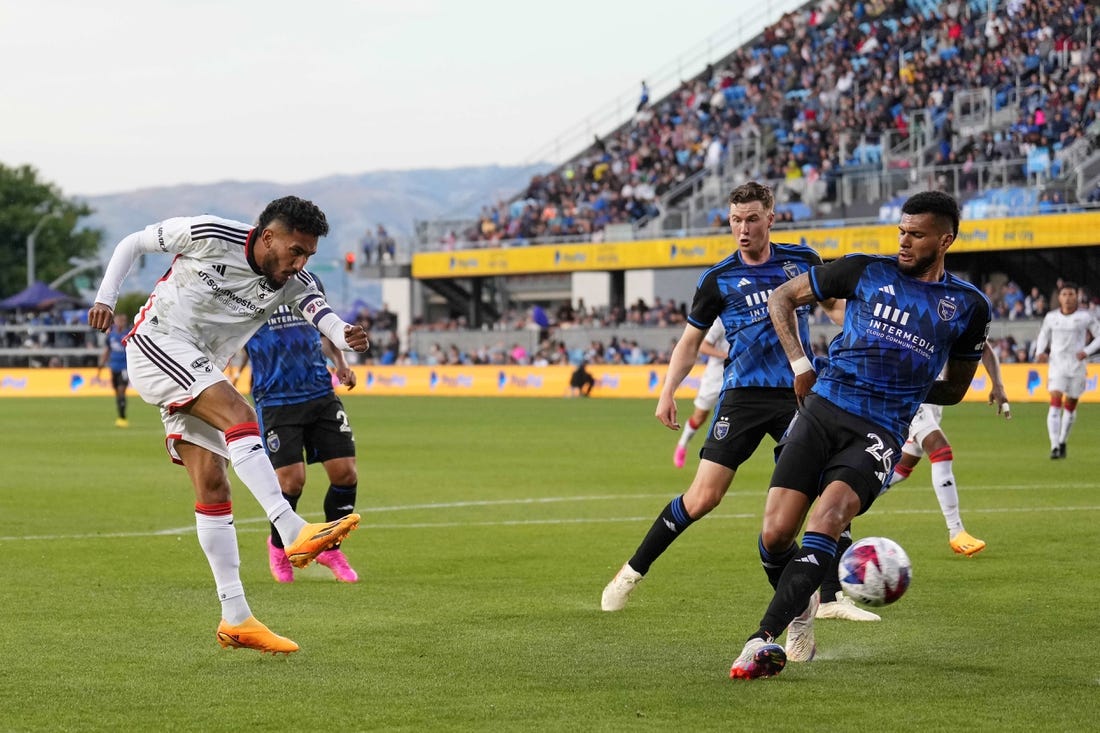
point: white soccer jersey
(1065, 335)
(214, 294)
(715, 336)
(710, 385)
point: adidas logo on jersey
(890, 313)
(743, 282)
(888, 289)
(758, 298)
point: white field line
(720, 516)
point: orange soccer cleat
(316, 538)
(251, 634)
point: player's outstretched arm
(344, 373)
(997, 394)
(683, 358)
(345, 336)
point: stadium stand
(844, 109)
(840, 107)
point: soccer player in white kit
(710, 387)
(1063, 333)
(927, 437)
(226, 279)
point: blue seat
(1038, 161)
(734, 93)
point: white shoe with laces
(845, 609)
(800, 634)
(619, 589)
(758, 659)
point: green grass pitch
(490, 526)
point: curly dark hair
(296, 214)
(937, 203)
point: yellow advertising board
(1026, 232)
(1023, 382)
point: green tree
(26, 202)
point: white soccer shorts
(1071, 383)
(925, 422)
(710, 385)
(170, 373)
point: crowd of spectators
(822, 91)
(1010, 303)
(49, 338)
(45, 330)
(550, 351)
(378, 245)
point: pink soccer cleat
(337, 562)
(679, 458)
(277, 560)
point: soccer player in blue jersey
(757, 397)
(114, 357)
(906, 318)
(300, 412)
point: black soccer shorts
(825, 443)
(319, 428)
(743, 417)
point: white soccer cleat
(800, 634)
(845, 609)
(758, 659)
(619, 589)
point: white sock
(1068, 418)
(1054, 425)
(686, 435)
(251, 464)
(899, 474)
(218, 540)
(943, 481)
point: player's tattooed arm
(782, 305)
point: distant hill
(395, 199)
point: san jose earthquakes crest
(721, 428)
(273, 442)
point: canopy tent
(39, 296)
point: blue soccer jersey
(738, 293)
(898, 334)
(288, 365)
(116, 354)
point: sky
(118, 95)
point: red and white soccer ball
(875, 571)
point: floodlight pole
(30, 244)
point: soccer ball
(875, 571)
